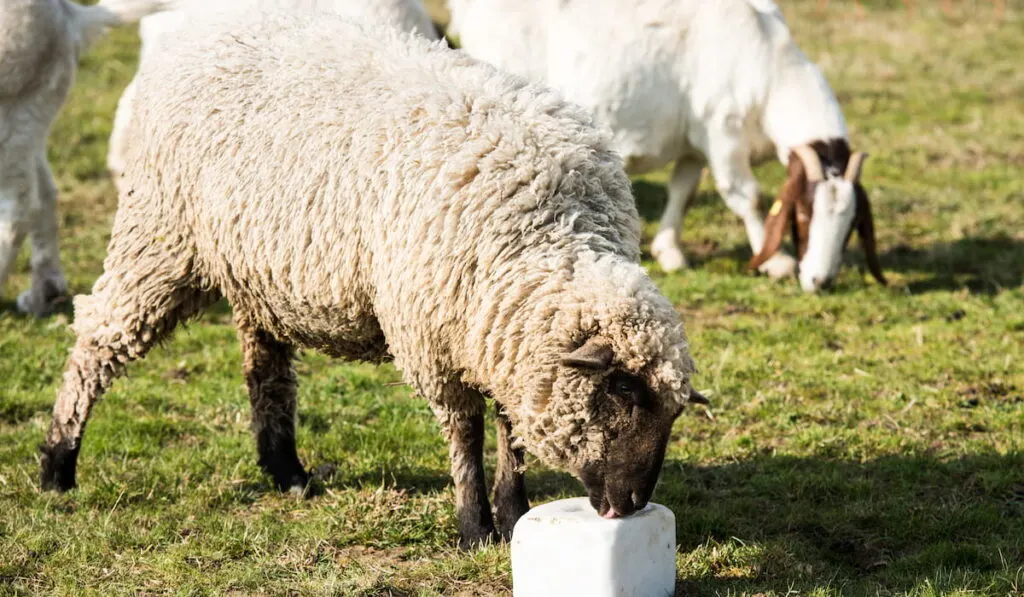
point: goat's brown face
(822, 202)
(635, 424)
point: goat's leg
(270, 376)
(730, 165)
(682, 188)
(146, 289)
(12, 233)
(461, 414)
(119, 133)
(510, 501)
(48, 285)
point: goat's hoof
(779, 266)
(665, 248)
(42, 303)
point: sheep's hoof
(779, 266)
(665, 248)
(510, 504)
(474, 541)
(297, 483)
(58, 463)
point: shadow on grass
(982, 265)
(891, 521)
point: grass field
(867, 441)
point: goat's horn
(812, 164)
(852, 173)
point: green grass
(864, 442)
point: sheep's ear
(866, 232)
(594, 354)
(782, 211)
(697, 398)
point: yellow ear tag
(776, 208)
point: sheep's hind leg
(270, 377)
(461, 414)
(510, 501)
(144, 292)
(49, 288)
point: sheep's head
(822, 202)
(616, 388)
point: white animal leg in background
(12, 232)
(730, 165)
(123, 115)
(682, 188)
(48, 284)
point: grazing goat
(691, 82)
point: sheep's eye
(627, 387)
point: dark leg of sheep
(270, 376)
(509, 484)
(144, 292)
(466, 449)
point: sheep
(408, 15)
(40, 42)
(370, 194)
(693, 82)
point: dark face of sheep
(635, 423)
(822, 203)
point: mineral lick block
(565, 549)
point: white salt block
(565, 549)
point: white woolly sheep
(689, 82)
(377, 196)
(40, 42)
(407, 15)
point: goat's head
(822, 202)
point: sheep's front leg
(730, 165)
(465, 431)
(270, 377)
(49, 288)
(510, 500)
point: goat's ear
(782, 211)
(594, 354)
(866, 232)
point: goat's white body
(406, 15)
(40, 42)
(677, 81)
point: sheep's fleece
(407, 15)
(373, 195)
